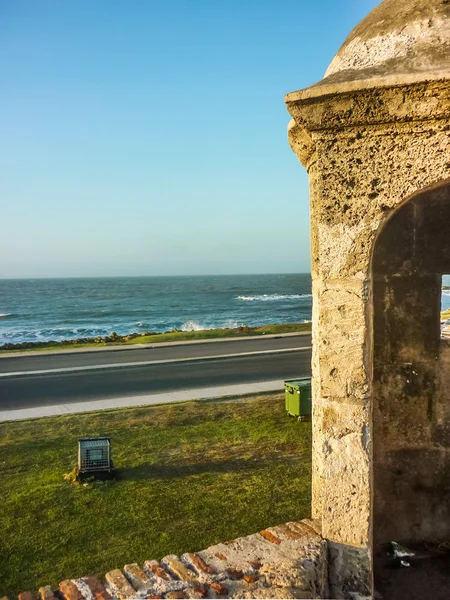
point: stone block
(153, 567)
(339, 418)
(70, 591)
(346, 489)
(174, 565)
(96, 588)
(198, 564)
(349, 571)
(138, 579)
(120, 584)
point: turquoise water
(62, 309)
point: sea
(33, 310)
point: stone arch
(411, 372)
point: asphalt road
(23, 363)
(49, 388)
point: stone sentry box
(374, 135)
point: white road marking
(148, 362)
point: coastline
(149, 337)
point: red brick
(70, 591)
(270, 537)
(27, 596)
(221, 556)
(97, 588)
(220, 589)
(153, 567)
(199, 564)
(290, 531)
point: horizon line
(155, 276)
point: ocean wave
(5, 315)
(272, 297)
(446, 292)
(196, 326)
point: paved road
(84, 386)
(76, 359)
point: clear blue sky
(148, 137)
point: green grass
(175, 336)
(190, 475)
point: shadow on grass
(178, 471)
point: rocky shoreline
(108, 339)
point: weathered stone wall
(287, 561)
(367, 152)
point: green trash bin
(298, 398)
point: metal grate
(94, 454)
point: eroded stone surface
(372, 143)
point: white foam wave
(446, 292)
(4, 315)
(196, 326)
(272, 297)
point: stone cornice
(368, 106)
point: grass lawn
(190, 475)
(173, 336)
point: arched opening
(411, 385)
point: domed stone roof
(400, 40)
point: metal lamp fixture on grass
(94, 459)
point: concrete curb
(225, 391)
